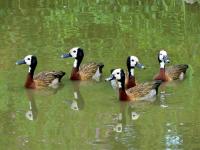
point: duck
(131, 62)
(142, 91)
(42, 79)
(87, 71)
(175, 72)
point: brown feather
(141, 90)
(127, 80)
(88, 70)
(174, 72)
(46, 78)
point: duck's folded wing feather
(175, 71)
(88, 70)
(143, 89)
(140, 90)
(47, 77)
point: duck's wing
(144, 90)
(87, 71)
(175, 71)
(48, 77)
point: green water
(108, 31)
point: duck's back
(47, 78)
(87, 71)
(144, 90)
(175, 71)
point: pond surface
(108, 31)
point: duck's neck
(162, 75)
(29, 80)
(162, 65)
(75, 70)
(75, 74)
(131, 78)
(122, 93)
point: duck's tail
(183, 67)
(59, 75)
(101, 65)
(156, 85)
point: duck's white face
(133, 61)
(117, 74)
(163, 57)
(27, 59)
(74, 52)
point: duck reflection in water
(32, 112)
(77, 103)
(119, 129)
(121, 118)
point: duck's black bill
(110, 78)
(166, 59)
(139, 65)
(66, 55)
(20, 62)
